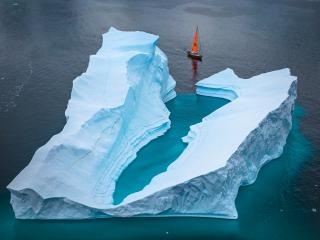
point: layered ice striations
(117, 106)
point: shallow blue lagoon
(186, 109)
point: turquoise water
(186, 109)
(267, 209)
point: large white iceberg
(117, 106)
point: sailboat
(195, 49)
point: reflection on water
(194, 67)
(194, 72)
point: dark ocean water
(45, 44)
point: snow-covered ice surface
(226, 150)
(117, 106)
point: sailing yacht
(195, 49)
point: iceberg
(117, 107)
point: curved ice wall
(117, 106)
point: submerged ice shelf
(117, 107)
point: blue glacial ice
(117, 106)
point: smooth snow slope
(116, 107)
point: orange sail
(194, 53)
(195, 44)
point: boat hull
(194, 56)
